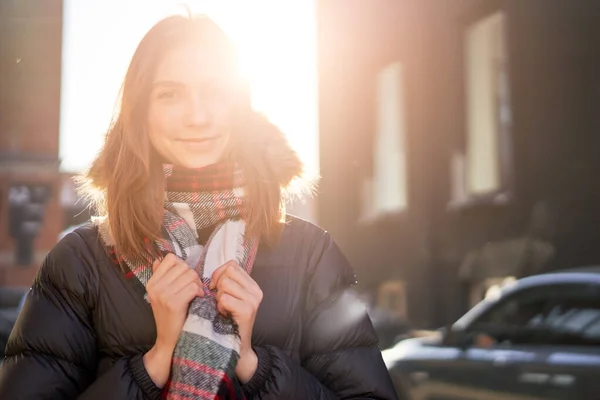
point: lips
(204, 144)
(198, 140)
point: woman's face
(191, 107)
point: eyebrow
(167, 83)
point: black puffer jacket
(84, 329)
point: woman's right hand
(171, 288)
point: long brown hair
(126, 182)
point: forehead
(191, 64)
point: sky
(100, 36)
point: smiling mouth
(198, 140)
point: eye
(218, 91)
(167, 94)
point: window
(577, 318)
(386, 191)
(517, 311)
(482, 169)
(553, 315)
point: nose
(197, 113)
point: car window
(519, 310)
(551, 315)
(575, 320)
(592, 331)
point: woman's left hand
(239, 295)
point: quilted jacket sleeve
(52, 349)
(340, 355)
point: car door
(495, 333)
(567, 362)
(541, 338)
(483, 359)
(438, 371)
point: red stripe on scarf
(199, 367)
(175, 224)
(205, 368)
(193, 391)
(178, 397)
(217, 182)
(214, 177)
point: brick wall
(30, 66)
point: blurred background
(457, 141)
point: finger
(216, 276)
(154, 278)
(232, 270)
(179, 269)
(163, 283)
(155, 265)
(232, 288)
(230, 305)
(181, 300)
(189, 276)
(238, 274)
(252, 291)
(168, 262)
(191, 291)
(160, 278)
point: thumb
(155, 265)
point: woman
(193, 284)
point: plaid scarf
(208, 347)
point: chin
(198, 162)
(195, 158)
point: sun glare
(276, 41)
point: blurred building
(459, 144)
(30, 183)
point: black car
(538, 338)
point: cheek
(223, 118)
(163, 122)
